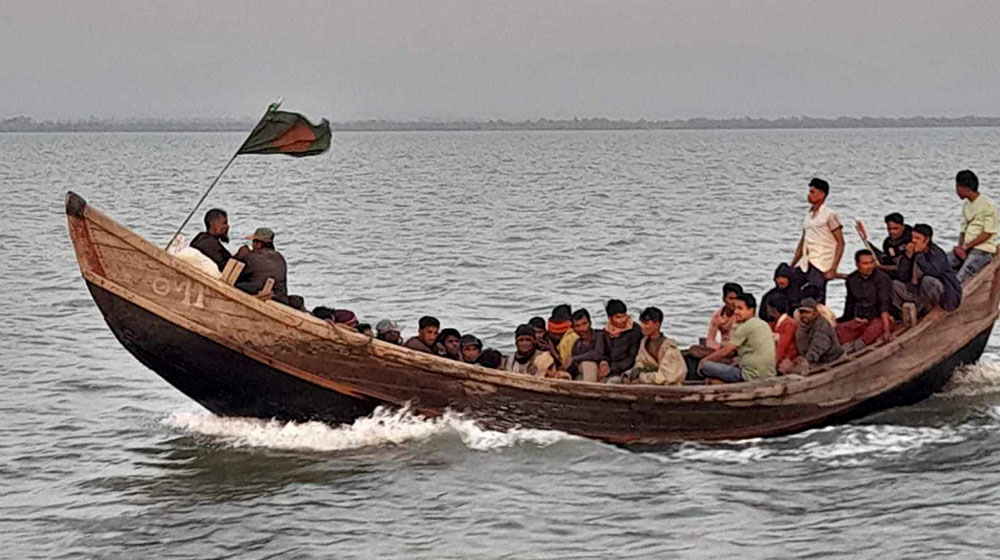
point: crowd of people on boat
(790, 331)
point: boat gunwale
(755, 391)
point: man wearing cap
(387, 330)
(978, 241)
(815, 338)
(822, 243)
(527, 358)
(472, 347)
(264, 262)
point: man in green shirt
(752, 341)
(978, 241)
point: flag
(281, 132)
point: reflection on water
(101, 458)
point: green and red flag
(281, 132)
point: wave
(840, 446)
(973, 380)
(383, 427)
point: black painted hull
(224, 381)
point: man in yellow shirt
(978, 241)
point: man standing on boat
(978, 241)
(822, 243)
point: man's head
(730, 291)
(217, 224)
(387, 330)
(807, 310)
(323, 312)
(818, 191)
(745, 307)
(471, 347)
(783, 276)
(524, 339)
(561, 321)
(777, 305)
(490, 358)
(539, 325)
(345, 317)
(966, 184)
(581, 321)
(428, 328)
(262, 237)
(617, 312)
(895, 225)
(451, 339)
(297, 302)
(923, 235)
(865, 261)
(650, 321)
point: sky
(511, 59)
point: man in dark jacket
(621, 340)
(925, 277)
(815, 338)
(264, 262)
(894, 244)
(782, 285)
(210, 241)
(869, 301)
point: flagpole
(272, 107)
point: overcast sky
(505, 59)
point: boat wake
(383, 427)
(974, 380)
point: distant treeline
(27, 124)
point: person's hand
(960, 252)
(701, 362)
(242, 251)
(888, 336)
(830, 274)
(863, 321)
(861, 230)
(910, 248)
(604, 369)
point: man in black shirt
(210, 241)
(869, 299)
(264, 262)
(894, 246)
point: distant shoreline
(27, 124)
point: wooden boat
(238, 355)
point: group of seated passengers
(793, 332)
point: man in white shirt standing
(822, 244)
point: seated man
(210, 241)
(783, 287)
(263, 262)
(893, 245)
(978, 241)
(449, 344)
(490, 358)
(810, 291)
(752, 341)
(345, 317)
(365, 328)
(783, 326)
(426, 336)
(925, 277)
(588, 350)
(472, 348)
(869, 300)
(721, 323)
(621, 341)
(387, 330)
(527, 358)
(815, 339)
(561, 334)
(658, 362)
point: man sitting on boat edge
(929, 280)
(658, 361)
(426, 337)
(977, 244)
(210, 241)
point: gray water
(101, 458)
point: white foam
(382, 427)
(848, 445)
(970, 381)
